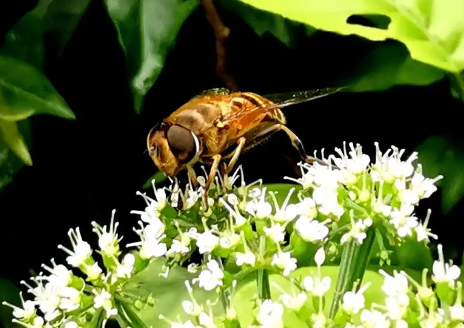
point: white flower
(26, 312)
(104, 300)
(276, 232)
(207, 242)
(374, 319)
(206, 320)
(192, 268)
(239, 219)
(293, 302)
(284, 261)
(71, 299)
(353, 302)
(311, 230)
(259, 207)
(93, 271)
(307, 208)
(317, 286)
(390, 167)
(395, 285)
(351, 165)
(229, 239)
(81, 249)
(445, 273)
(270, 314)
(124, 270)
(150, 244)
(177, 247)
(422, 232)
(152, 211)
(403, 220)
(245, 258)
(211, 277)
(357, 231)
(107, 240)
(60, 276)
(287, 212)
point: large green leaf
(168, 293)
(147, 31)
(441, 156)
(55, 18)
(244, 299)
(431, 29)
(26, 90)
(263, 22)
(387, 65)
(15, 140)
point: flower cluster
(247, 228)
(62, 298)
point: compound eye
(183, 143)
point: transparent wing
(287, 99)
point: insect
(218, 125)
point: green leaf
(413, 255)
(246, 293)
(10, 161)
(263, 22)
(147, 31)
(9, 293)
(390, 64)
(26, 90)
(442, 156)
(57, 18)
(11, 136)
(168, 293)
(431, 29)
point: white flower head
(270, 314)
(284, 261)
(81, 250)
(108, 241)
(445, 273)
(211, 277)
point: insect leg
(240, 145)
(211, 176)
(228, 168)
(192, 175)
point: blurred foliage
(9, 292)
(442, 156)
(147, 31)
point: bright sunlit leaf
(432, 30)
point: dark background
(84, 169)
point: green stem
(127, 314)
(264, 288)
(344, 275)
(362, 258)
(352, 267)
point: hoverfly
(218, 125)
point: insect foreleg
(192, 175)
(211, 176)
(228, 168)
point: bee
(218, 125)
